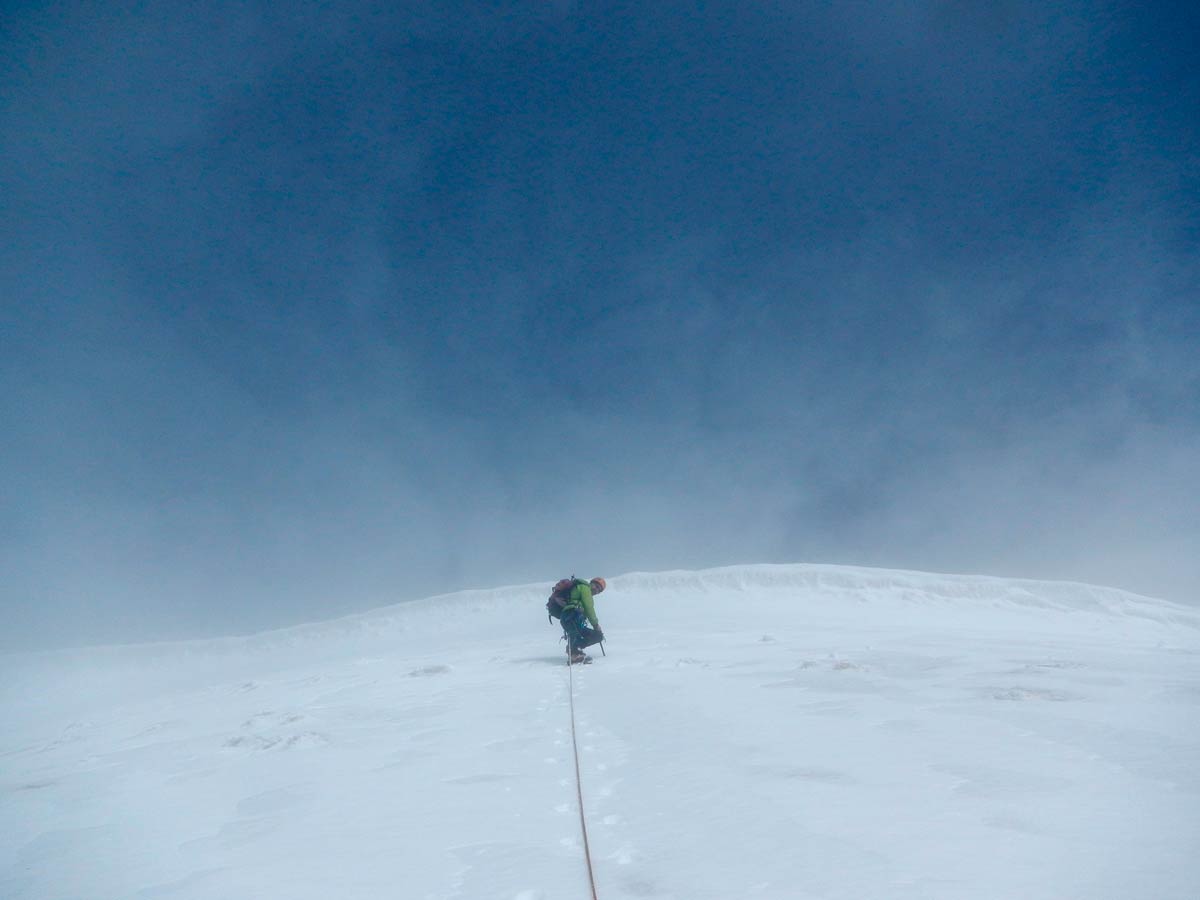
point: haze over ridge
(306, 310)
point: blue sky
(311, 309)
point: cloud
(373, 304)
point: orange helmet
(598, 584)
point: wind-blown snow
(753, 732)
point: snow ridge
(755, 731)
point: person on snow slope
(578, 610)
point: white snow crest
(760, 731)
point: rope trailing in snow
(587, 852)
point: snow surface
(753, 732)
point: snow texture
(754, 732)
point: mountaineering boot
(580, 657)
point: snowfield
(754, 732)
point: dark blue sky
(314, 309)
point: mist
(304, 314)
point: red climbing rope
(587, 853)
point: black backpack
(560, 595)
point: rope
(587, 853)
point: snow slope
(754, 732)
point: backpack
(560, 596)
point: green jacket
(581, 598)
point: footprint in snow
(426, 671)
(483, 778)
(265, 742)
(270, 730)
(269, 717)
(1022, 693)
